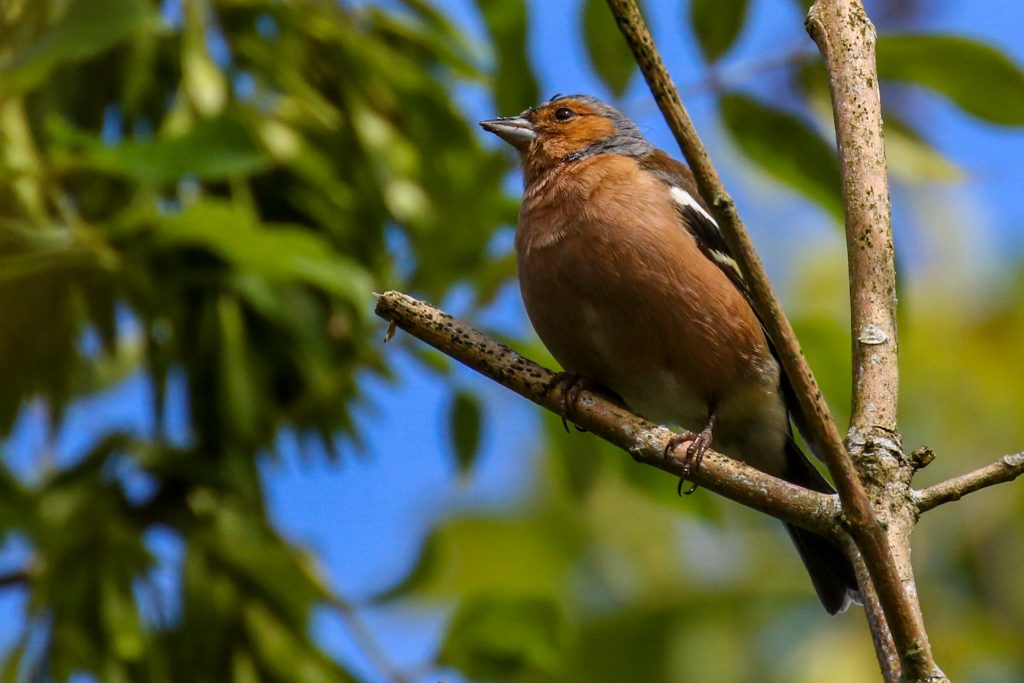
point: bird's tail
(831, 571)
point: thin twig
(367, 641)
(846, 39)
(643, 440)
(1007, 468)
(885, 648)
(718, 81)
(16, 578)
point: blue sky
(365, 517)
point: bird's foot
(699, 442)
(570, 385)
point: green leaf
(283, 652)
(38, 291)
(424, 574)
(121, 619)
(492, 276)
(643, 633)
(979, 78)
(786, 148)
(488, 555)
(254, 555)
(464, 429)
(215, 149)
(717, 24)
(609, 54)
(243, 668)
(16, 502)
(433, 38)
(431, 360)
(14, 660)
(87, 28)
(202, 79)
(237, 388)
(109, 369)
(499, 639)
(515, 87)
(278, 252)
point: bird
(628, 281)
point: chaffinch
(629, 283)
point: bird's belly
(592, 332)
(751, 422)
(661, 397)
(752, 425)
(650, 347)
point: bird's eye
(564, 114)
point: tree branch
(846, 38)
(16, 578)
(643, 440)
(1007, 468)
(881, 636)
(364, 638)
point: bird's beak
(515, 130)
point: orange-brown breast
(619, 292)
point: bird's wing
(695, 217)
(694, 214)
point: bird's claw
(699, 442)
(570, 385)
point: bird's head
(565, 129)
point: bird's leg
(699, 443)
(570, 384)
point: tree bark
(846, 39)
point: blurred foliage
(977, 77)
(786, 148)
(204, 193)
(464, 417)
(608, 52)
(717, 25)
(515, 86)
(213, 188)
